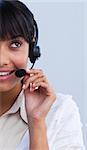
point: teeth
(4, 73)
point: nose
(4, 57)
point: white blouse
(63, 126)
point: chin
(9, 87)
(5, 88)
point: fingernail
(36, 87)
(31, 89)
(23, 87)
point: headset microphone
(20, 73)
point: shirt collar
(19, 104)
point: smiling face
(13, 56)
(16, 36)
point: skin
(39, 95)
(11, 57)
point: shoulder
(64, 115)
(63, 123)
(63, 100)
(63, 107)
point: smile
(5, 73)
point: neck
(8, 98)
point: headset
(34, 50)
(34, 53)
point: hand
(39, 95)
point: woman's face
(13, 56)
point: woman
(32, 117)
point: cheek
(20, 62)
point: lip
(6, 70)
(6, 77)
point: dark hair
(17, 20)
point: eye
(15, 44)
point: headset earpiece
(34, 50)
(34, 54)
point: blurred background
(63, 42)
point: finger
(46, 87)
(34, 71)
(31, 87)
(28, 74)
(42, 84)
(42, 79)
(33, 83)
(37, 86)
(31, 72)
(33, 78)
(26, 77)
(26, 84)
